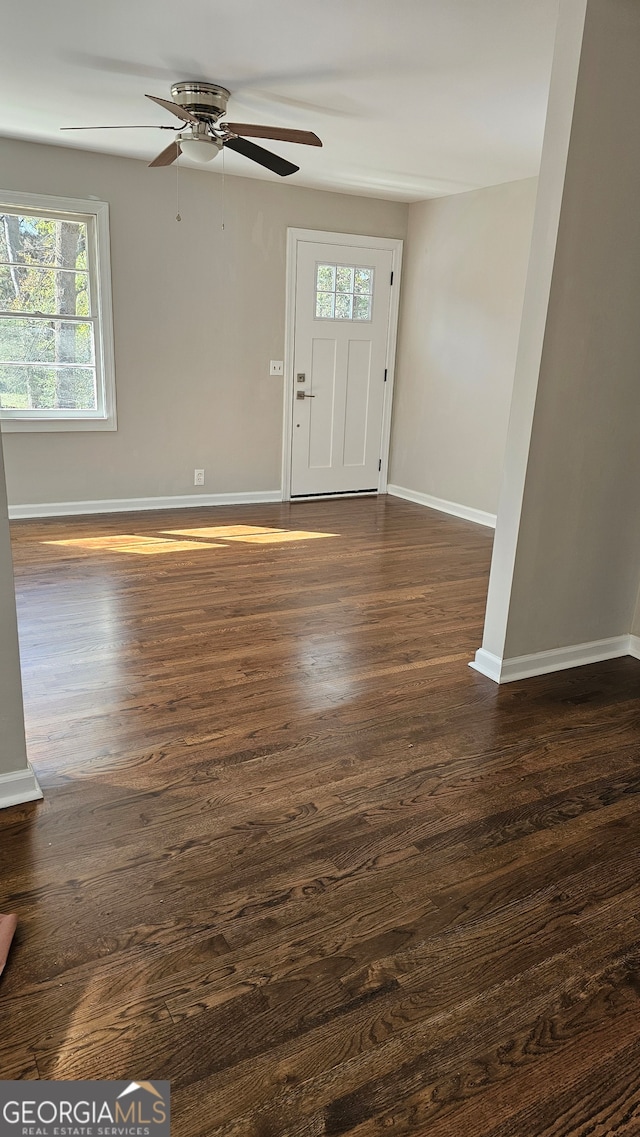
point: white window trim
(105, 419)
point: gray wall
(13, 754)
(635, 629)
(463, 288)
(198, 314)
(577, 539)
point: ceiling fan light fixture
(200, 149)
(199, 106)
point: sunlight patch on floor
(178, 540)
(276, 537)
(130, 543)
(221, 531)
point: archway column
(566, 562)
(18, 782)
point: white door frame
(294, 236)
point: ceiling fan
(202, 136)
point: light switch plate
(276, 367)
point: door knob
(303, 395)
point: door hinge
(385, 374)
(391, 281)
(379, 464)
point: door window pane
(344, 306)
(326, 278)
(344, 282)
(362, 307)
(343, 292)
(325, 302)
(363, 280)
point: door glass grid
(343, 292)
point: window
(56, 338)
(344, 292)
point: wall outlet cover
(198, 477)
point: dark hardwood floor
(295, 856)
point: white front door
(341, 339)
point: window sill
(41, 426)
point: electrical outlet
(198, 477)
(276, 367)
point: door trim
(317, 236)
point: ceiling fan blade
(249, 130)
(168, 156)
(180, 112)
(149, 126)
(263, 157)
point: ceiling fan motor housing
(206, 100)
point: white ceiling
(412, 98)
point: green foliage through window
(343, 292)
(47, 336)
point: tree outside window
(51, 349)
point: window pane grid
(30, 288)
(50, 341)
(55, 278)
(49, 328)
(343, 292)
(43, 241)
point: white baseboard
(135, 504)
(557, 659)
(19, 786)
(467, 512)
(488, 664)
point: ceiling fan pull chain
(222, 202)
(178, 217)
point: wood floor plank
(296, 857)
(358, 1065)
